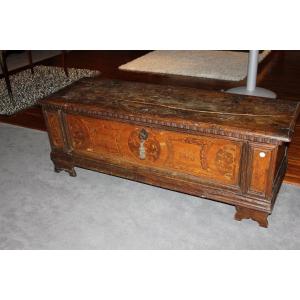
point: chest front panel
(210, 159)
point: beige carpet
(222, 65)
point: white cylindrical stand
(251, 89)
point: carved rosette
(225, 161)
(151, 147)
(79, 133)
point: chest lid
(180, 108)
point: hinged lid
(180, 108)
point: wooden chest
(219, 146)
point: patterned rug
(221, 65)
(28, 89)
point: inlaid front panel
(207, 157)
(212, 159)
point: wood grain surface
(199, 108)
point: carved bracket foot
(246, 213)
(68, 169)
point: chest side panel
(54, 129)
(260, 169)
(210, 159)
(265, 164)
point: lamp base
(259, 92)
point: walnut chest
(219, 146)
